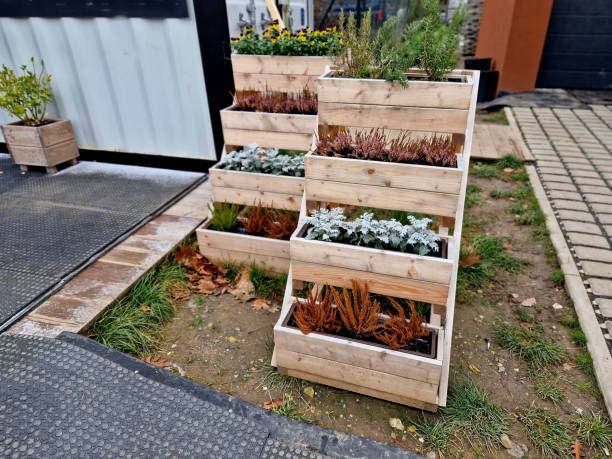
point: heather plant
(280, 42)
(26, 96)
(253, 158)
(332, 226)
(301, 103)
(374, 145)
(224, 216)
(317, 313)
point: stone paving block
(561, 186)
(594, 189)
(581, 227)
(553, 170)
(591, 253)
(599, 198)
(608, 229)
(583, 173)
(570, 205)
(594, 268)
(589, 181)
(557, 163)
(574, 197)
(602, 208)
(556, 178)
(605, 306)
(601, 287)
(575, 215)
(605, 219)
(588, 239)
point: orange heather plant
(254, 219)
(317, 313)
(397, 332)
(280, 224)
(303, 103)
(358, 312)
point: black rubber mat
(73, 397)
(50, 225)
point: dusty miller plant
(253, 158)
(331, 225)
(26, 96)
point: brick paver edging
(596, 344)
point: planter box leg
(23, 167)
(51, 170)
(72, 162)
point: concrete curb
(596, 343)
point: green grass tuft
(498, 116)
(469, 408)
(509, 161)
(520, 177)
(547, 432)
(483, 170)
(437, 433)
(524, 315)
(578, 337)
(472, 196)
(588, 387)
(233, 270)
(594, 430)
(547, 389)
(558, 277)
(585, 363)
(132, 324)
(290, 409)
(269, 288)
(529, 345)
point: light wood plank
(273, 122)
(254, 197)
(361, 355)
(379, 92)
(377, 261)
(370, 379)
(208, 237)
(268, 139)
(393, 117)
(425, 202)
(274, 265)
(275, 82)
(386, 174)
(383, 284)
(281, 184)
(284, 65)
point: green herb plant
(26, 96)
(224, 216)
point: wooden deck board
(493, 141)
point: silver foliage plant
(253, 158)
(331, 225)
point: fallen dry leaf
(157, 361)
(273, 404)
(260, 304)
(145, 308)
(274, 308)
(577, 449)
(526, 325)
(470, 260)
(529, 302)
(244, 289)
(309, 391)
(507, 246)
(507, 170)
(474, 369)
(396, 423)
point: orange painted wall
(512, 33)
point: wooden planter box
(278, 73)
(365, 368)
(47, 145)
(425, 189)
(387, 272)
(278, 130)
(221, 246)
(439, 106)
(251, 188)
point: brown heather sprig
(302, 103)
(254, 219)
(317, 312)
(358, 312)
(375, 145)
(280, 224)
(397, 332)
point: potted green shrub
(34, 140)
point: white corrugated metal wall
(127, 84)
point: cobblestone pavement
(573, 149)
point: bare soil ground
(226, 344)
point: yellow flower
(334, 28)
(273, 40)
(275, 26)
(323, 43)
(308, 30)
(312, 43)
(341, 41)
(301, 32)
(248, 35)
(303, 38)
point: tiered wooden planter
(278, 73)
(376, 370)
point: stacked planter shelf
(268, 130)
(371, 369)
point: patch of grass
(198, 300)
(546, 431)
(483, 170)
(269, 288)
(548, 389)
(588, 387)
(290, 409)
(472, 196)
(271, 379)
(437, 433)
(521, 176)
(578, 337)
(196, 322)
(233, 270)
(469, 408)
(594, 430)
(558, 277)
(585, 363)
(509, 161)
(524, 315)
(529, 345)
(569, 321)
(132, 324)
(498, 116)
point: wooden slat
(271, 264)
(408, 401)
(379, 173)
(274, 82)
(350, 374)
(398, 264)
(284, 65)
(254, 197)
(254, 181)
(379, 92)
(267, 139)
(383, 284)
(393, 117)
(208, 238)
(357, 354)
(273, 122)
(381, 197)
